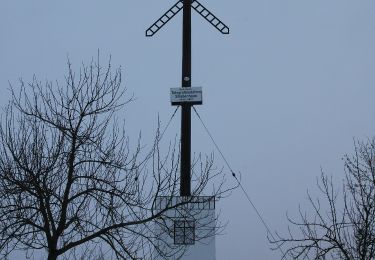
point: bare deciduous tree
(345, 229)
(69, 180)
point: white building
(186, 232)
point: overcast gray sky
(284, 94)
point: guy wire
(239, 183)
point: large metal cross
(186, 5)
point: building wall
(201, 212)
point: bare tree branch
(346, 229)
(70, 183)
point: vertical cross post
(185, 178)
(186, 6)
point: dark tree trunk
(52, 255)
(52, 251)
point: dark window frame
(184, 232)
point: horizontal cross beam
(198, 7)
(210, 17)
(168, 15)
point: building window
(184, 232)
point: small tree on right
(345, 228)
